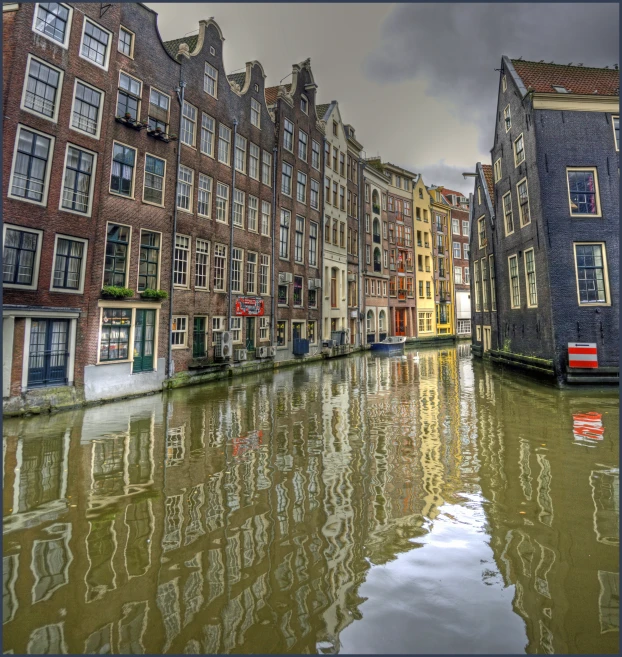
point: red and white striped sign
(582, 354)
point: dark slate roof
(239, 78)
(576, 79)
(172, 47)
(272, 92)
(321, 110)
(487, 169)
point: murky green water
(368, 505)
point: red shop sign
(249, 307)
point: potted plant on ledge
(153, 295)
(114, 292)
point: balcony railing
(377, 266)
(441, 273)
(418, 242)
(401, 268)
(401, 295)
(420, 267)
(427, 245)
(377, 238)
(401, 241)
(376, 208)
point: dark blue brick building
(552, 227)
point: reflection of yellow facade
(424, 260)
(444, 273)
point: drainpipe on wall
(231, 200)
(273, 290)
(180, 98)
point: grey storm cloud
(455, 48)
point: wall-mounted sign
(582, 354)
(249, 307)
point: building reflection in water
(243, 517)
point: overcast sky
(417, 81)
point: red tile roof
(576, 79)
(272, 92)
(487, 168)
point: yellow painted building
(443, 262)
(424, 260)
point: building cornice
(576, 102)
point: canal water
(423, 503)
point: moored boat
(391, 344)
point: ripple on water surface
(423, 503)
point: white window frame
(241, 260)
(253, 206)
(194, 123)
(479, 234)
(319, 155)
(285, 345)
(465, 228)
(48, 169)
(269, 215)
(242, 204)
(128, 257)
(302, 200)
(227, 202)
(304, 99)
(185, 332)
(519, 138)
(261, 264)
(505, 223)
(599, 210)
(89, 211)
(139, 95)
(504, 83)
(459, 249)
(61, 75)
(80, 289)
(615, 118)
(256, 111)
(224, 268)
(206, 74)
(301, 143)
(251, 158)
(157, 205)
(286, 132)
(222, 126)
(218, 326)
(122, 28)
(527, 291)
(255, 275)
(507, 113)
(104, 67)
(188, 250)
(213, 133)
(239, 141)
(266, 166)
(514, 306)
(210, 192)
(264, 329)
(99, 113)
(520, 211)
(35, 268)
(65, 42)
(497, 172)
(189, 209)
(291, 179)
(202, 242)
(603, 247)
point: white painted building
(335, 275)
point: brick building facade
(556, 200)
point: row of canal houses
(163, 218)
(545, 221)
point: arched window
(370, 321)
(375, 201)
(377, 231)
(377, 260)
(381, 320)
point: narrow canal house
(556, 194)
(335, 225)
(375, 242)
(299, 157)
(402, 301)
(355, 262)
(443, 265)
(224, 206)
(88, 189)
(424, 260)
(459, 219)
(485, 333)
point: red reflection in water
(588, 427)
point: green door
(143, 341)
(250, 334)
(198, 340)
